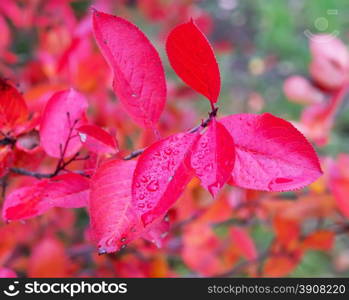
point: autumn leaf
(162, 172)
(192, 57)
(139, 79)
(98, 140)
(67, 190)
(13, 109)
(63, 114)
(271, 155)
(213, 157)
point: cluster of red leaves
(63, 137)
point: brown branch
(7, 141)
(134, 154)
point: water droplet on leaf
(153, 186)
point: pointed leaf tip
(139, 78)
(192, 58)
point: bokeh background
(259, 45)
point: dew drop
(203, 144)
(149, 205)
(134, 95)
(141, 205)
(102, 251)
(153, 186)
(83, 137)
(109, 242)
(123, 240)
(137, 185)
(168, 151)
(141, 196)
(208, 167)
(144, 179)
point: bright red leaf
(139, 79)
(63, 114)
(69, 190)
(271, 154)
(13, 109)
(97, 139)
(114, 223)
(213, 157)
(192, 57)
(161, 175)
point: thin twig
(37, 175)
(134, 154)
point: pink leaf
(68, 191)
(114, 223)
(299, 89)
(330, 61)
(139, 79)
(271, 154)
(192, 57)
(213, 157)
(157, 231)
(97, 139)
(64, 112)
(161, 175)
(113, 219)
(244, 242)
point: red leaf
(139, 79)
(161, 175)
(192, 57)
(213, 157)
(113, 219)
(157, 231)
(244, 242)
(68, 190)
(64, 112)
(6, 160)
(271, 154)
(98, 140)
(13, 109)
(114, 223)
